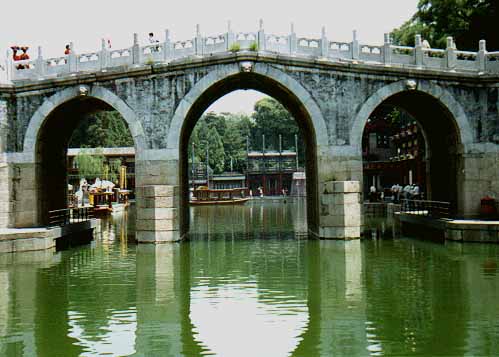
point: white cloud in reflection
(238, 320)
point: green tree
(226, 135)
(272, 119)
(234, 142)
(205, 135)
(90, 165)
(102, 129)
(468, 21)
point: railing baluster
(62, 217)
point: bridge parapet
(353, 52)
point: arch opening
(271, 88)
(411, 137)
(59, 158)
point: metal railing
(433, 209)
(63, 217)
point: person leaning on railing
(23, 56)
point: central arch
(268, 80)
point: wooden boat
(101, 201)
(206, 196)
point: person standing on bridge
(152, 41)
(67, 51)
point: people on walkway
(416, 195)
(20, 57)
(67, 51)
(372, 193)
(394, 190)
(153, 41)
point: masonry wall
(339, 92)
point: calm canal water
(246, 284)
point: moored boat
(206, 196)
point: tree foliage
(102, 129)
(227, 135)
(467, 21)
(272, 119)
(90, 165)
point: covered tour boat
(205, 196)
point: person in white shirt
(372, 193)
(153, 41)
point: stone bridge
(331, 88)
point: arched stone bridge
(331, 91)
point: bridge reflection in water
(229, 296)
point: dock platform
(44, 238)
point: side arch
(221, 73)
(37, 120)
(465, 132)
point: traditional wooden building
(126, 155)
(393, 155)
(271, 170)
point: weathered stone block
(156, 172)
(31, 244)
(6, 246)
(346, 186)
(157, 236)
(339, 232)
(158, 202)
(158, 191)
(340, 198)
(157, 213)
(347, 209)
(6, 206)
(157, 224)
(25, 218)
(454, 234)
(340, 221)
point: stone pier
(157, 214)
(340, 210)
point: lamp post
(207, 164)
(193, 168)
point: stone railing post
(11, 68)
(355, 49)
(261, 37)
(72, 59)
(450, 54)
(167, 47)
(387, 49)
(229, 37)
(324, 43)
(135, 49)
(293, 44)
(482, 53)
(40, 63)
(104, 55)
(418, 51)
(198, 42)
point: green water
(248, 285)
